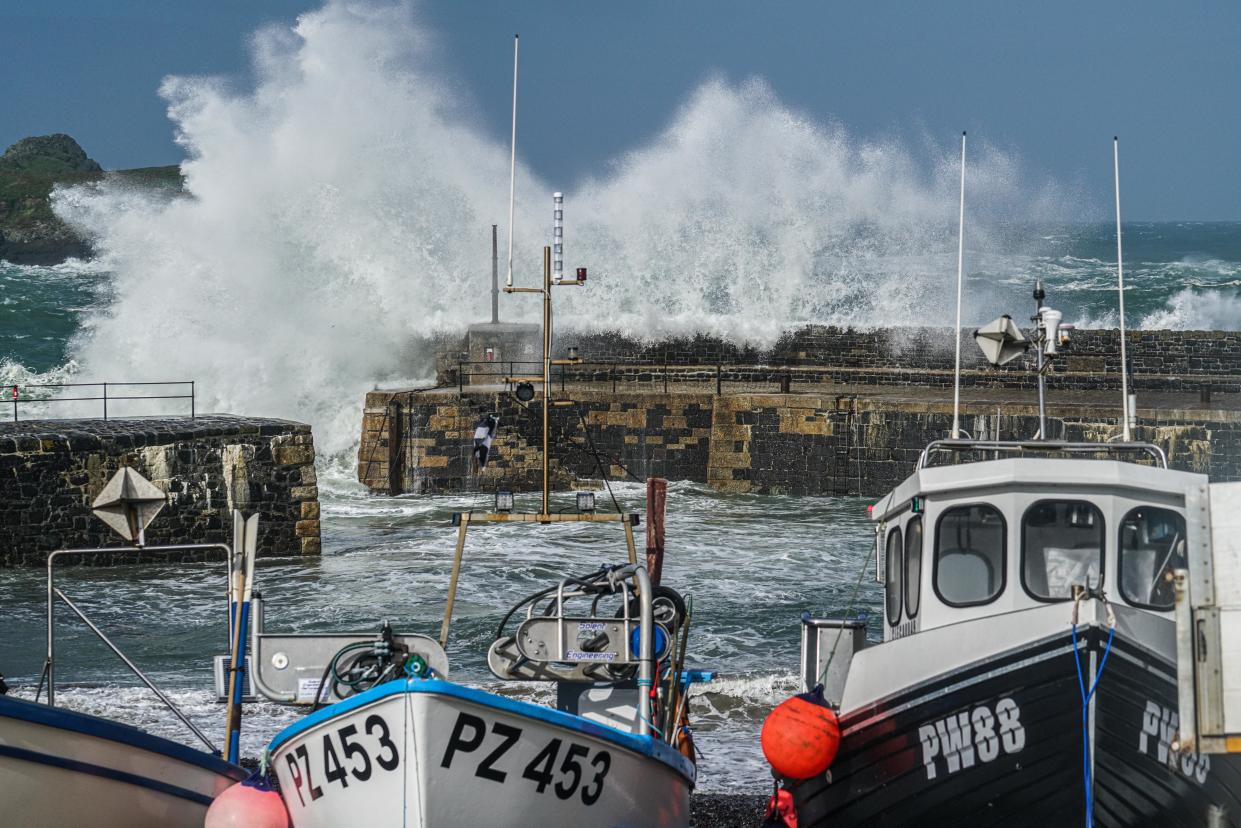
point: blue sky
(1051, 81)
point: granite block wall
(801, 443)
(52, 470)
(1190, 361)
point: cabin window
(893, 561)
(1152, 543)
(969, 555)
(913, 565)
(1061, 546)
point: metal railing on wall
(758, 378)
(616, 374)
(105, 393)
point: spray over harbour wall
(824, 411)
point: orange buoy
(801, 736)
(248, 804)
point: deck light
(524, 391)
(585, 501)
(573, 354)
(504, 501)
(581, 274)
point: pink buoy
(249, 804)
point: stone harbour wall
(1191, 361)
(52, 470)
(422, 442)
(797, 443)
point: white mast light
(558, 237)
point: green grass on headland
(29, 171)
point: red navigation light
(581, 274)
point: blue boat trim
(642, 745)
(89, 725)
(105, 773)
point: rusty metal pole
(547, 366)
(656, 503)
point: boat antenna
(512, 164)
(1120, 290)
(956, 385)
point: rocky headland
(30, 232)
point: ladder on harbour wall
(382, 450)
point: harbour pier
(51, 471)
(825, 411)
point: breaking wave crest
(331, 210)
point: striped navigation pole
(241, 584)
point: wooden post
(656, 501)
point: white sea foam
(333, 208)
(1191, 309)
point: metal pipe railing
(1042, 447)
(137, 672)
(49, 667)
(104, 397)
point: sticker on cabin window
(1159, 730)
(971, 737)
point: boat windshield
(1152, 543)
(969, 555)
(1061, 546)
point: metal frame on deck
(49, 667)
(1042, 447)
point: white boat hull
(430, 754)
(60, 768)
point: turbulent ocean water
(337, 216)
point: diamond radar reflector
(1001, 341)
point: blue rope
(1086, 697)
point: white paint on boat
(59, 767)
(429, 754)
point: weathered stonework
(1161, 361)
(51, 471)
(799, 443)
(822, 411)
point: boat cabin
(967, 540)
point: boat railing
(53, 592)
(1027, 447)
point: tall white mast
(1120, 289)
(956, 387)
(512, 169)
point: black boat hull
(1000, 743)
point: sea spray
(325, 230)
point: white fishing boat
(59, 767)
(421, 751)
